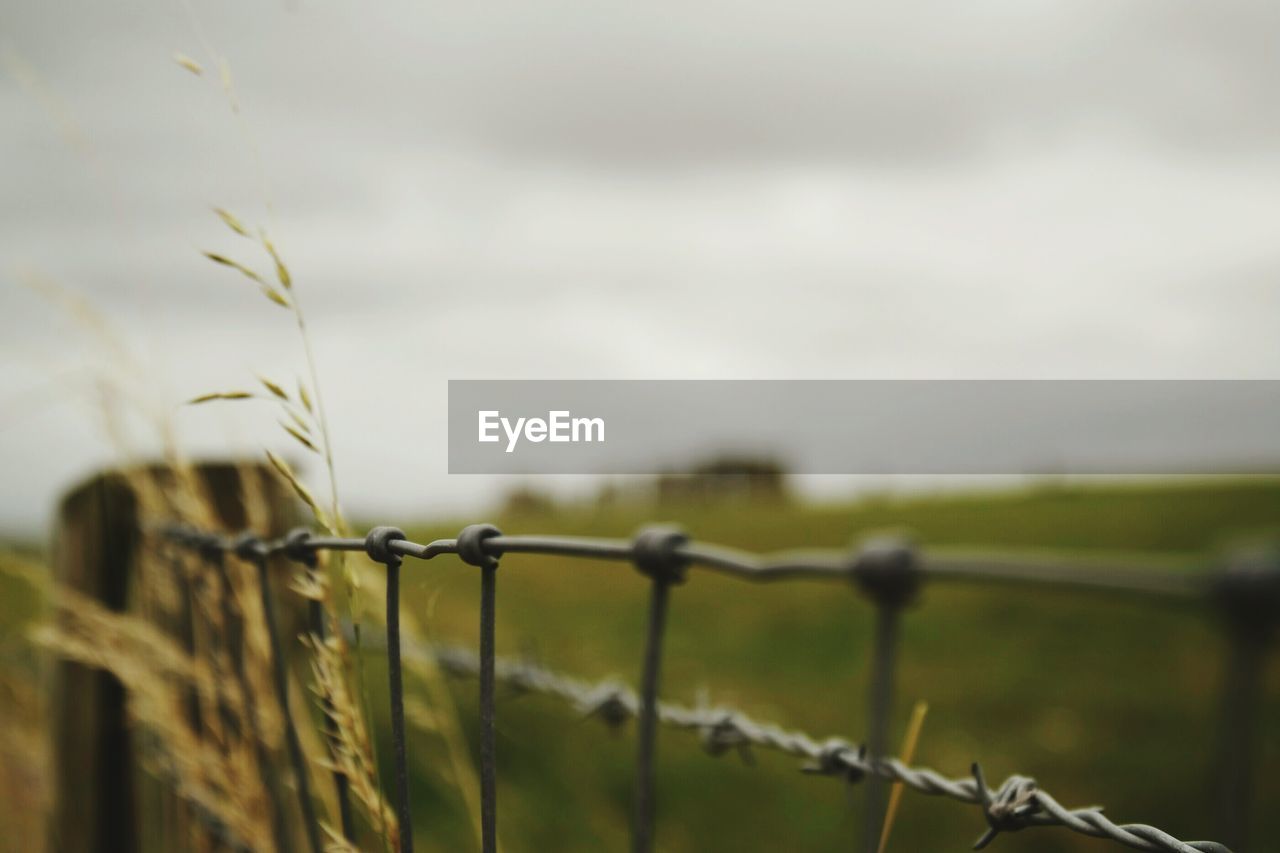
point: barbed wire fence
(889, 572)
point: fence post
(95, 552)
(888, 572)
(655, 551)
(94, 809)
(1248, 594)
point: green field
(1103, 701)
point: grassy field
(1102, 700)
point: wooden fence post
(94, 808)
(95, 553)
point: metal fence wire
(889, 572)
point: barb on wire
(1018, 803)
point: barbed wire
(1018, 803)
(888, 571)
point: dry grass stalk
(188, 63)
(155, 672)
(305, 423)
(335, 843)
(168, 588)
(352, 748)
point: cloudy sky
(597, 190)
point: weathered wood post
(94, 807)
(96, 551)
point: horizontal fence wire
(1160, 581)
(887, 571)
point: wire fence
(889, 572)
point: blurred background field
(1102, 700)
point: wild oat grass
(192, 648)
(221, 767)
(302, 419)
(223, 782)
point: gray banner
(866, 426)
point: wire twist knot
(837, 757)
(248, 546)
(210, 546)
(655, 552)
(295, 546)
(611, 703)
(471, 545)
(887, 570)
(377, 544)
(726, 732)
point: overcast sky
(597, 190)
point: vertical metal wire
(296, 757)
(186, 623)
(396, 678)
(249, 708)
(883, 657)
(647, 721)
(472, 550)
(377, 544)
(297, 548)
(656, 554)
(318, 628)
(888, 572)
(488, 753)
